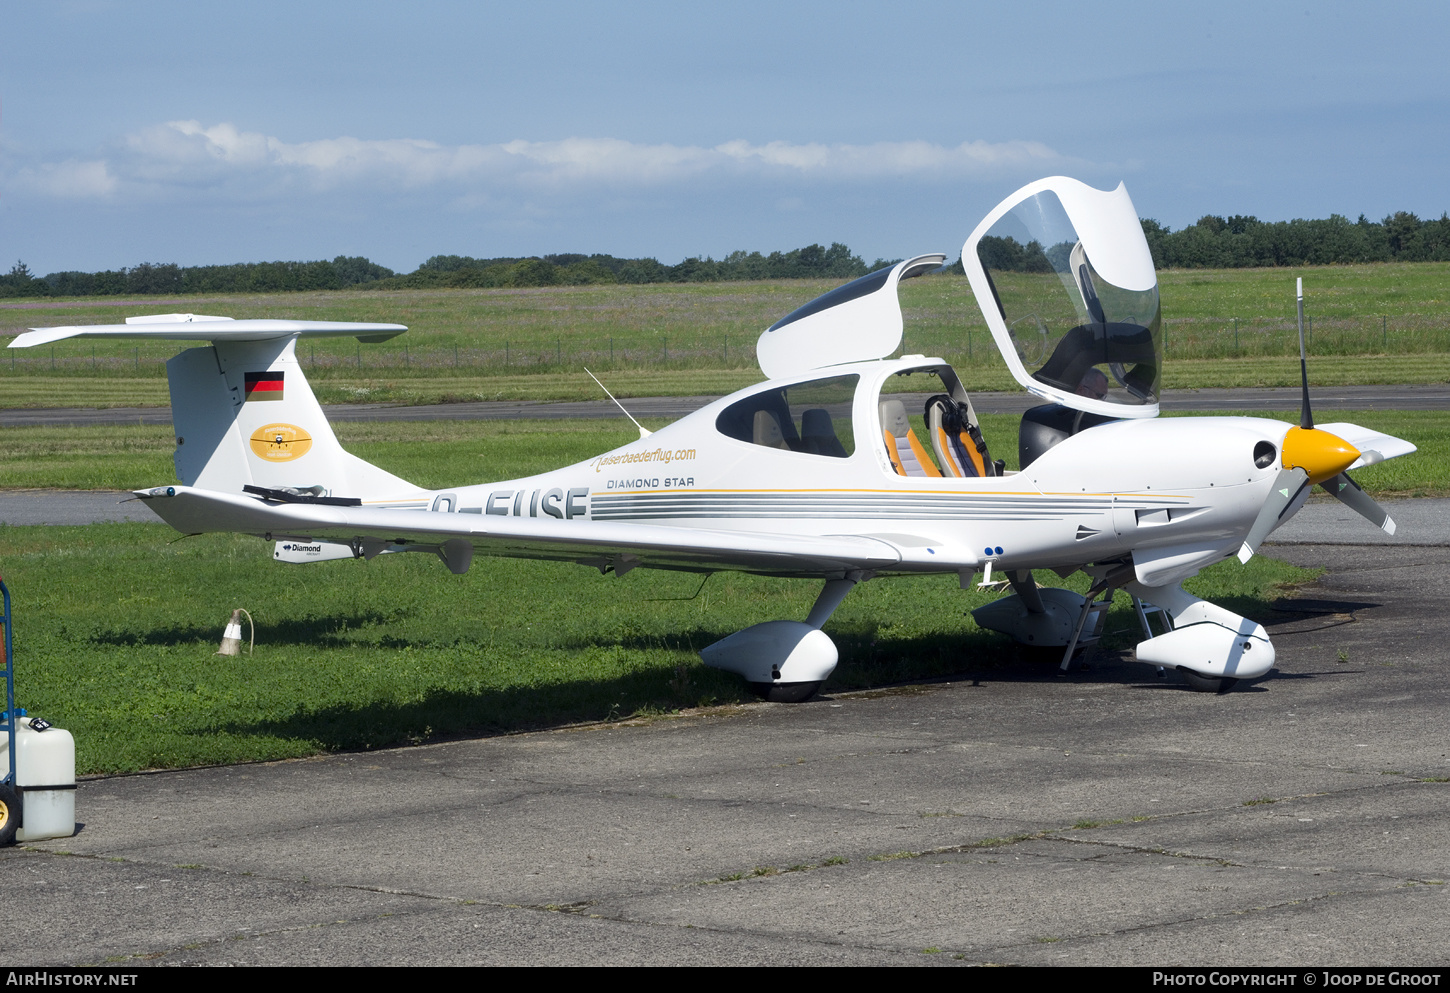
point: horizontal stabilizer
(199, 327)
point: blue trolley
(9, 793)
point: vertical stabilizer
(245, 415)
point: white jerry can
(45, 771)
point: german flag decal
(264, 385)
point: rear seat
(818, 435)
(767, 431)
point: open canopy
(1065, 281)
(857, 322)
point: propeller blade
(1286, 488)
(1349, 493)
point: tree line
(1236, 242)
(168, 278)
(1243, 242)
(440, 271)
(1211, 242)
(810, 262)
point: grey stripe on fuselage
(937, 506)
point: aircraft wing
(457, 536)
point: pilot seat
(958, 442)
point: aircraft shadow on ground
(442, 714)
(872, 658)
(870, 661)
(1309, 605)
(336, 630)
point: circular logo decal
(281, 442)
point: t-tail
(243, 411)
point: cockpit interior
(924, 419)
(1065, 281)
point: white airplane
(822, 471)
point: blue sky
(199, 133)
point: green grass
(1334, 292)
(102, 457)
(682, 339)
(437, 454)
(107, 390)
(433, 454)
(472, 333)
(1365, 370)
(112, 391)
(116, 626)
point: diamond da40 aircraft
(821, 471)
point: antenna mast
(642, 432)
(1306, 418)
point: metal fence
(1184, 338)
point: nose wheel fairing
(1206, 639)
(1213, 647)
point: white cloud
(891, 158)
(187, 150)
(188, 154)
(67, 180)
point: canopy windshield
(1080, 308)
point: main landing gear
(785, 661)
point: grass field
(1380, 324)
(438, 454)
(104, 390)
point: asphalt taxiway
(1006, 815)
